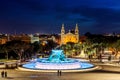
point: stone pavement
(103, 74)
(93, 75)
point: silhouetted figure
(119, 61)
(109, 58)
(60, 72)
(5, 73)
(100, 57)
(89, 58)
(2, 74)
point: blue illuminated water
(57, 60)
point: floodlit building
(3, 40)
(34, 39)
(70, 36)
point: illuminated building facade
(3, 40)
(69, 37)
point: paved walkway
(94, 75)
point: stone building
(70, 36)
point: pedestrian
(100, 57)
(58, 72)
(5, 73)
(119, 61)
(109, 58)
(2, 74)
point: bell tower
(77, 33)
(62, 34)
(76, 29)
(62, 30)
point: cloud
(101, 18)
(92, 15)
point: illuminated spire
(62, 30)
(76, 29)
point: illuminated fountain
(57, 60)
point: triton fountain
(57, 61)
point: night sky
(47, 16)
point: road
(94, 75)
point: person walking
(58, 72)
(119, 61)
(2, 74)
(109, 58)
(5, 74)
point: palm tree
(116, 47)
(78, 48)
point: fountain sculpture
(57, 60)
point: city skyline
(47, 16)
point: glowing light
(57, 60)
(73, 65)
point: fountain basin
(74, 64)
(57, 61)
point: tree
(49, 45)
(36, 47)
(19, 47)
(4, 49)
(116, 47)
(71, 48)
